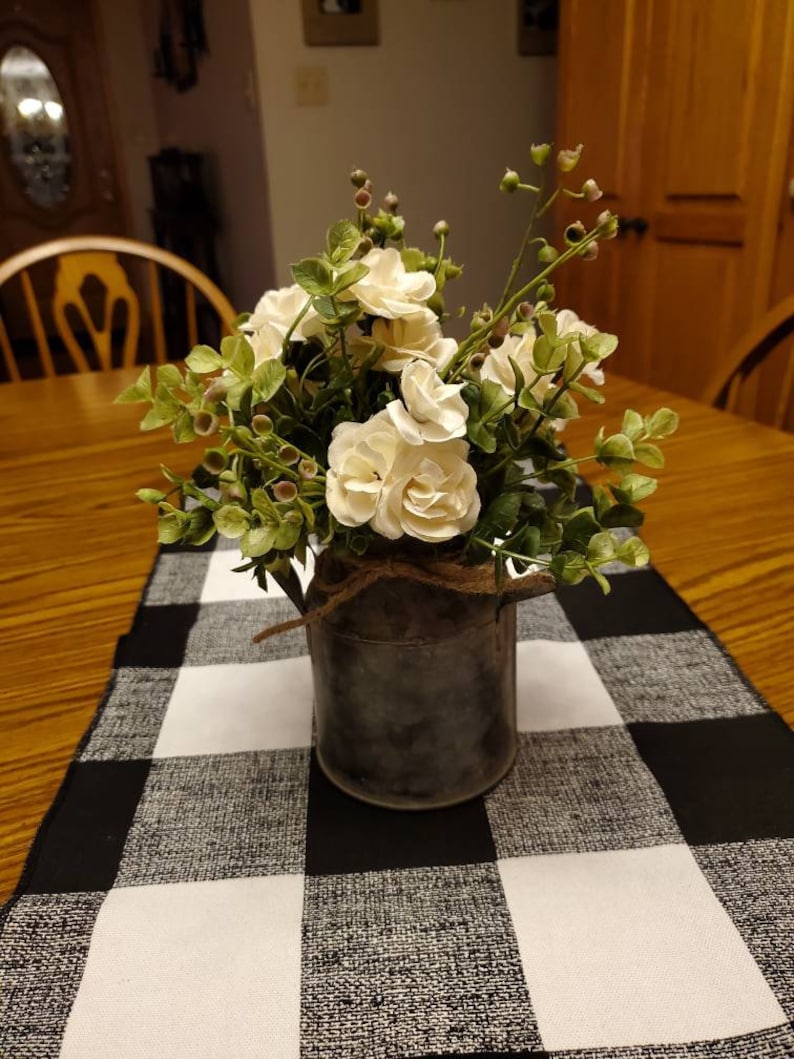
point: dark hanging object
(183, 38)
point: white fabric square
(222, 583)
(192, 971)
(559, 687)
(631, 948)
(223, 709)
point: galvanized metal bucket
(415, 694)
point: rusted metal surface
(415, 694)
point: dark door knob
(632, 224)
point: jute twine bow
(468, 580)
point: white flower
(433, 410)
(272, 318)
(431, 494)
(497, 366)
(427, 491)
(360, 458)
(388, 289)
(568, 323)
(415, 337)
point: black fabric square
(80, 844)
(726, 779)
(346, 835)
(158, 637)
(639, 603)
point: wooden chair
(80, 257)
(739, 386)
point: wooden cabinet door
(702, 92)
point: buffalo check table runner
(200, 890)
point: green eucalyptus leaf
(199, 527)
(169, 528)
(588, 392)
(633, 488)
(662, 423)
(183, 428)
(578, 530)
(560, 404)
(548, 324)
(141, 390)
(622, 515)
(603, 583)
(268, 379)
(634, 552)
(343, 240)
(648, 455)
(598, 347)
(351, 274)
(238, 356)
(151, 496)
(601, 547)
(258, 540)
(313, 275)
(155, 418)
(203, 359)
(548, 357)
(633, 425)
(615, 447)
(231, 521)
(169, 376)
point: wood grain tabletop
(76, 547)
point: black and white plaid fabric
(199, 890)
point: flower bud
(476, 361)
(481, 318)
(216, 391)
(363, 199)
(607, 225)
(288, 454)
(575, 233)
(440, 228)
(205, 423)
(540, 152)
(590, 252)
(285, 492)
(591, 191)
(214, 461)
(368, 185)
(547, 254)
(546, 292)
(451, 270)
(391, 202)
(568, 159)
(525, 310)
(495, 341)
(510, 181)
(365, 245)
(307, 469)
(262, 424)
(358, 178)
(501, 327)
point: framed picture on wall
(537, 26)
(340, 22)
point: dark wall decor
(182, 40)
(537, 26)
(340, 22)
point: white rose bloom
(568, 323)
(272, 318)
(433, 410)
(415, 337)
(388, 289)
(431, 494)
(497, 366)
(360, 458)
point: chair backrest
(736, 387)
(80, 257)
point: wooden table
(76, 547)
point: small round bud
(547, 254)
(216, 391)
(501, 327)
(590, 252)
(233, 492)
(288, 454)
(495, 341)
(285, 492)
(307, 469)
(365, 245)
(476, 361)
(363, 199)
(591, 191)
(205, 423)
(510, 181)
(607, 225)
(568, 159)
(546, 292)
(262, 424)
(391, 202)
(525, 310)
(540, 152)
(452, 271)
(358, 178)
(214, 461)
(575, 233)
(481, 318)
(440, 228)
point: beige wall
(218, 117)
(434, 113)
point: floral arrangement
(340, 415)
